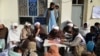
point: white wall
(66, 9)
(49, 1)
(0, 11)
(90, 20)
(9, 11)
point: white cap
(55, 27)
(37, 23)
(57, 4)
(75, 27)
(27, 24)
(69, 21)
(70, 24)
(15, 24)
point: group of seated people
(29, 40)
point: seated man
(16, 52)
(77, 42)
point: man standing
(57, 13)
(50, 16)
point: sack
(30, 52)
(89, 54)
(37, 38)
(79, 50)
(92, 54)
(90, 46)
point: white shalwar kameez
(13, 36)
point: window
(22, 20)
(74, 1)
(78, 2)
(27, 7)
(30, 8)
(42, 7)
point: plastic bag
(90, 46)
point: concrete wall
(49, 1)
(85, 11)
(90, 5)
(9, 11)
(66, 9)
(0, 10)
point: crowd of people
(29, 40)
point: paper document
(37, 38)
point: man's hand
(63, 40)
(65, 43)
(13, 42)
(37, 33)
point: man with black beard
(50, 17)
(97, 26)
(78, 42)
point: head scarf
(27, 24)
(37, 23)
(13, 25)
(13, 35)
(55, 27)
(70, 24)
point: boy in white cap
(56, 34)
(40, 35)
(68, 31)
(26, 31)
(85, 29)
(57, 13)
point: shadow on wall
(56, 1)
(63, 24)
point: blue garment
(90, 46)
(2, 44)
(52, 20)
(90, 40)
(4, 53)
(12, 53)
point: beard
(51, 8)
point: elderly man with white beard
(13, 35)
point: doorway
(77, 12)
